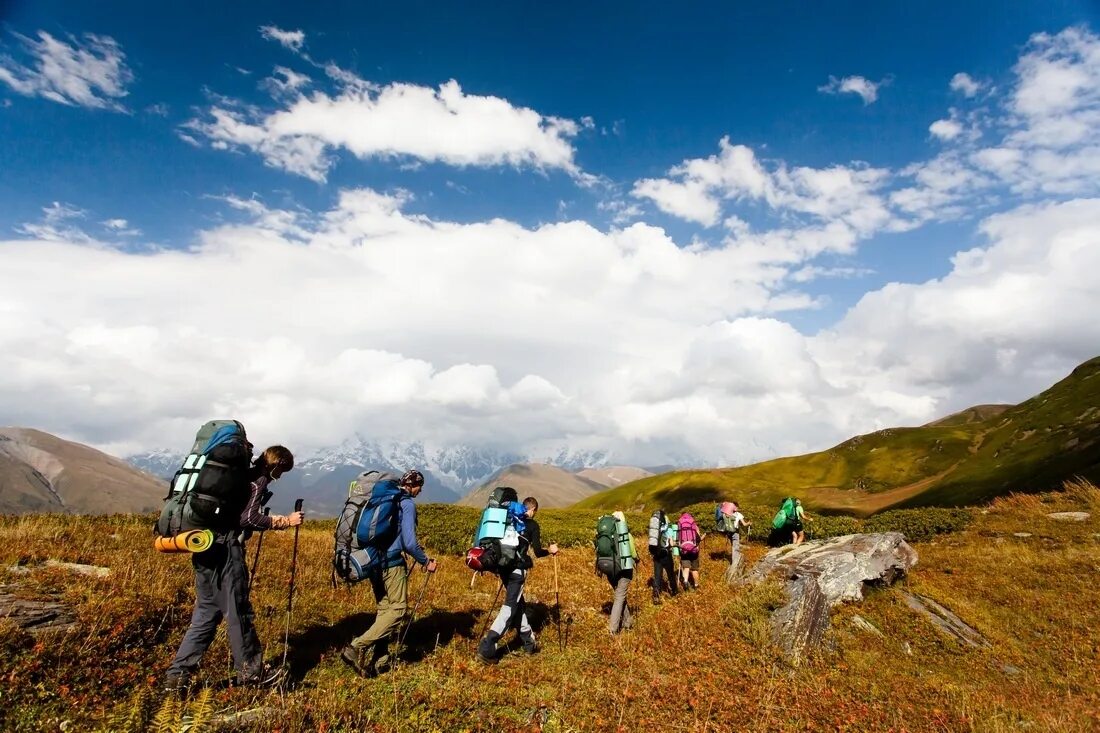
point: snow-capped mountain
(450, 472)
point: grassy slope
(1033, 446)
(699, 662)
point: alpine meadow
(555, 367)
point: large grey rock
(825, 573)
(35, 616)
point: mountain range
(553, 486)
(450, 472)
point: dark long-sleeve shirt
(252, 516)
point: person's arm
(253, 517)
(534, 537)
(409, 543)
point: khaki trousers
(391, 592)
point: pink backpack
(728, 508)
(689, 534)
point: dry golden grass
(700, 662)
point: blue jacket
(406, 541)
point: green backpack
(785, 514)
(607, 553)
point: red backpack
(689, 534)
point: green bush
(920, 524)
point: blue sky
(822, 154)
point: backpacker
(607, 545)
(689, 534)
(210, 489)
(658, 522)
(785, 515)
(367, 526)
(724, 520)
(496, 541)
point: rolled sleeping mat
(196, 540)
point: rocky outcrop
(823, 574)
(35, 616)
(1069, 516)
(946, 622)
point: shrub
(919, 524)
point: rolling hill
(966, 458)
(40, 472)
(554, 487)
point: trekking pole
(416, 607)
(256, 559)
(290, 591)
(557, 605)
(490, 612)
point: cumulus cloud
(862, 87)
(408, 122)
(696, 189)
(86, 72)
(946, 129)
(965, 84)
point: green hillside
(974, 456)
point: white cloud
(89, 72)
(286, 81)
(444, 125)
(292, 40)
(946, 129)
(965, 84)
(862, 87)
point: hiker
(221, 581)
(369, 653)
(672, 533)
(690, 541)
(617, 565)
(799, 525)
(730, 522)
(521, 515)
(787, 523)
(660, 551)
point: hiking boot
(177, 684)
(531, 645)
(656, 600)
(267, 675)
(487, 649)
(354, 658)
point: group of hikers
(216, 503)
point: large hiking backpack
(689, 534)
(785, 515)
(658, 522)
(367, 526)
(210, 489)
(607, 545)
(724, 520)
(496, 540)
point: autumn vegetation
(701, 662)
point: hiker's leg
(205, 617)
(391, 592)
(623, 588)
(621, 584)
(513, 592)
(656, 558)
(235, 605)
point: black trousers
(662, 565)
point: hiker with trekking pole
(229, 496)
(389, 503)
(519, 536)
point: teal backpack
(785, 515)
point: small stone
(1010, 670)
(1021, 534)
(1069, 516)
(906, 648)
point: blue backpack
(368, 525)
